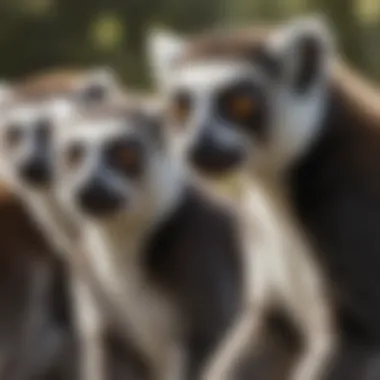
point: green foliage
(39, 34)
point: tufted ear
(304, 48)
(163, 49)
(97, 86)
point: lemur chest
(270, 238)
(118, 266)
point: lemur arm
(308, 305)
(149, 321)
(257, 242)
(279, 271)
(90, 326)
(145, 316)
(299, 287)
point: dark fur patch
(310, 54)
(24, 295)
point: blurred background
(43, 34)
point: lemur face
(26, 153)
(109, 166)
(214, 106)
(228, 99)
(33, 111)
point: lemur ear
(305, 47)
(163, 49)
(97, 86)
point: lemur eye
(241, 106)
(126, 156)
(240, 103)
(180, 107)
(74, 156)
(13, 135)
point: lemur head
(35, 108)
(26, 143)
(114, 165)
(262, 91)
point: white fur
(163, 49)
(206, 76)
(91, 324)
(297, 118)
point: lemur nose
(36, 171)
(97, 198)
(209, 155)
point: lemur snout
(36, 171)
(96, 198)
(210, 156)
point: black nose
(96, 198)
(212, 157)
(36, 172)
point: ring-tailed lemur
(36, 109)
(238, 103)
(166, 255)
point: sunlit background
(40, 34)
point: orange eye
(242, 107)
(128, 157)
(128, 160)
(74, 156)
(180, 108)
